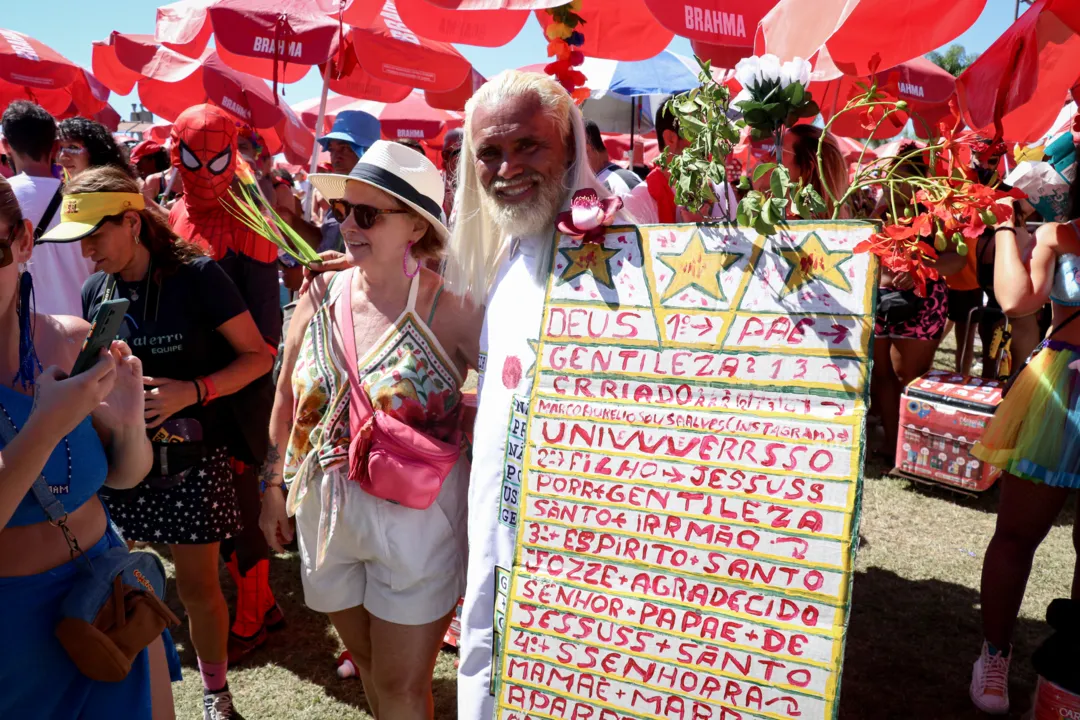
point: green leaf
(809, 110)
(814, 200)
(742, 217)
(796, 93)
(779, 206)
(780, 182)
(744, 183)
(762, 169)
(768, 214)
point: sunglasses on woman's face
(364, 215)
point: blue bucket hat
(356, 127)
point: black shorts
(962, 302)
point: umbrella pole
(633, 118)
(309, 197)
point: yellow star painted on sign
(696, 267)
(813, 261)
(591, 258)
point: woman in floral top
(389, 576)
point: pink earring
(405, 262)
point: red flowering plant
(933, 196)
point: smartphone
(103, 330)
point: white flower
(770, 68)
(795, 71)
(748, 72)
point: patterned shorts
(201, 509)
(927, 324)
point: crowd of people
(178, 435)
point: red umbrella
(388, 50)
(722, 56)
(618, 30)
(727, 23)
(1017, 87)
(926, 88)
(456, 99)
(859, 37)
(495, 4)
(278, 40)
(345, 76)
(486, 28)
(170, 83)
(411, 118)
(31, 70)
(853, 150)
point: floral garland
(564, 43)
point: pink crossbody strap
(360, 409)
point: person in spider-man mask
(204, 150)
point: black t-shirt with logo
(172, 327)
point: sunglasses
(364, 215)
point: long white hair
(477, 244)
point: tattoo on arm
(268, 469)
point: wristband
(211, 391)
(1006, 229)
(198, 392)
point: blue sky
(70, 26)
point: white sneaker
(990, 682)
(219, 705)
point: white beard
(535, 218)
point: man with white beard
(523, 155)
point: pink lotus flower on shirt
(588, 216)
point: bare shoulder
(1062, 238)
(59, 338)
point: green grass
(914, 628)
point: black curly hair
(98, 141)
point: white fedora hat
(399, 171)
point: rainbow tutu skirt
(1035, 433)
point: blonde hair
(477, 244)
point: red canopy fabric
(926, 88)
(727, 23)
(618, 30)
(485, 28)
(456, 98)
(253, 36)
(1017, 87)
(853, 150)
(412, 118)
(170, 83)
(388, 50)
(722, 56)
(31, 70)
(347, 77)
(497, 4)
(858, 37)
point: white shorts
(402, 565)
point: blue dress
(37, 678)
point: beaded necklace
(57, 489)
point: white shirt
(513, 318)
(59, 269)
(615, 181)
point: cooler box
(942, 415)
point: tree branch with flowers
(926, 212)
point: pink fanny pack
(390, 460)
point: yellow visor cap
(83, 213)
